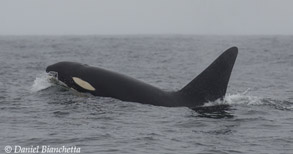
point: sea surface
(256, 116)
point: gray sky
(51, 17)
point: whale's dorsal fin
(211, 84)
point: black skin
(209, 85)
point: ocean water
(255, 117)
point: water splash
(41, 82)
(237, 99)
(243, 98)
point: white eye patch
(83, 84)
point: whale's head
(69, 73)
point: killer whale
(209, 85)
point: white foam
(237, 99)
(41, 82)
(241, 98)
